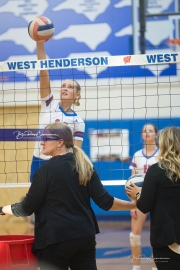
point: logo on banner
(127, 59)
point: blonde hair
(169, 153)
(83, 164)
(78, 89)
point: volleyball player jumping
(57, 110)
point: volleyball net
(119, 95)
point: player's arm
(134, 172)
(45, 89)
(79, 134)
(78, 143)
(133, 165)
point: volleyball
(136, 179)
(41, 29)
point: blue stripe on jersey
(49, 101)
(78, 134)
(151, 155)
(67, 114)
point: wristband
(1, 212)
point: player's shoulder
(77, 119)
(139, 153)
(80, 119)
(47, 98)
(49, 102)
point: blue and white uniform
(51, 112)
(140, 162)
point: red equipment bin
(15, 252)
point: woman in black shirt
(65, 224)
(160, 196)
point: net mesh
(119, 95)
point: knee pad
(135, 239)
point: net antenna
(174, 44)
(121, 94)
(144, 15)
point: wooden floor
(113, 249)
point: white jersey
(51, 112)
(140, 162)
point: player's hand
(132, 191)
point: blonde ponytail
(83, 165)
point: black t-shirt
(161, 197)
(61, 205)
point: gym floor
(113, 248)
